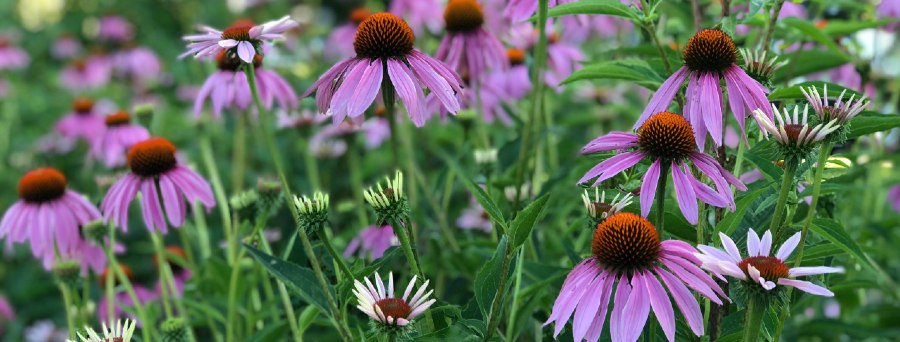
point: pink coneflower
(668, 140)
(83, 122)
(162, 182)
(65, 46)
(228, 87)
(138, 62)
(793, 133)
(114, 28)
(47, 215)
(420, 14)
(244, 41)
(627, 248)
(7, 314)
(376, 130)
(708, 57)
(380, 304)
(339, 44)
(305, 118)
(889, 9)
(12, 57)
(839, 111)
(372, 241)
(119, 136)
(384, 44)
(468, 48)
(562, 60)
(144, 296)
(90, 73)
(759, 267)
(521, 10)
(518, 82)
(474, 217)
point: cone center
(383, 35)
(626, 242)
(667, 135)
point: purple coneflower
(759, 267)
(139, 62)
(521, 10)
(162, 182)
(339, 44)
(114, 28)
(708, 57)
(372, 241)
(562, 61)
(794, 133)
(245, 41)
(65, 46)
(92, 72)
(228, 87)
(380, 304)
(376, 130)
(518, 82)
(144, 295)
(668, 140)
(12, 57)
(384, 48)
(468, 48)
(474, 217)
(83, 122)
(599, 209)
(420, 14)
(47, 215)
(119, 136)
(627, 248)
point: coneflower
(391, 313)
(468, 47)
(244, 41)
(119, 136)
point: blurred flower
(562, 60)
(48, 216)
(608, 26)
(7, 314)
(420, 14)
(180, 275)
(45, 331)
(759, 267)
(518, 82)
(245, 41)
(376, 131)
(384, 43)
(228, 87)
(788, 9)
(117, 333)
(119, 136)
(666, 139)
(474, 217)
(12, 57)
(155, 172)
(893, 197)
(889, 9)
(55, 143)
(384, 308)
(732, 139)
(84, 122)
(92, 72)
(328, 148)
(468, 48)
(339, 44)
(709, 56)
(492, 99)
(372, 241)
(114, 28)
(627, 248)
(65, 46)
(305, 118)
(122, 298)
(521, 10)
(847, 76)
(139, 62)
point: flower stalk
(790, 171)
(206, 153)
(661, 198)
(771, 28)
(67, 302)
(123, 279)
(753, 316)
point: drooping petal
(367, 90)
(684, 192)
(616, 325)
(648, 187)
(684, 299)
(637, 310)
(662, 307)
(587, 309)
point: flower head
(839, 111)
(88, 73)
(84, 122)
(599, 209)
(795, 138)
(668, 140)
(228, 87)
(163, 183)
(118, 333)
(760, 269)
(626, 248)
(119, 136)
(468, 47)
(244, 40)
(385, 62)
(389, 202)
(12, 57)
(759, 67)
(372, 241)
(313, 212)
(388, 311)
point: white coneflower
(118, 333)
(380, 303)
(599, 209)
(840, 111)
(793, 132)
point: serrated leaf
(805, 62)
(608, 7)
(488, 278)
(870, 122)
(794, 93)
(833, 231)
(520, 228)
(731, 220)
(810, 30)
(301, 280)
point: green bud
(173, 330)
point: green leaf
(456, 332)
(299, 279)
(841, 28)
(755, 6)
(488, 278)
(821, 251)
(634, 70)
(272, 332)
(486, 202)
(728, 25)
(608, 7)
(810, 30)
(827, 188)
(731, 220)
(870, 122)
(520, 228)
(834, 232)
(805, 62)
(794, 93)
(768, 168)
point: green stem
(239, 156)
(167, 278)
(538, 80)
(67, 301)
(400, 231)
(356, 179)
(123, 279)
(497, 305)
(279, 168)
(232, 294)
(202, 231)
(312, 168)
(164, 290)
(789, 172)
(661, 197)
(110, 287)
(510, 326)
(392, 118)
(339, 259)
(206, 153)
(771, 28)
(753, 316)
(739, 162)
(285, 298)
(423, 183)
(188, 250)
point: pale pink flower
(244, 41)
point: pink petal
(648, 187)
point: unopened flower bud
(313, 212)
(389, 203)
(246, 205)
(173, 330)
(68, 272)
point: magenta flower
(626, 248)
(90, 73)
(708, 57)
(667, 139)
(65, 46)
(140, 63)
(893, 197)
(114, 28)
(48, 216)
(12, 57)
(468, 48)
(119, 136)
(244, 41)
(420, 14)
(562, 59)
(384, 44)
(121, 298)
(372, 241)
(518, 81)
(889, 9)
(228, 87)
(162, 182)
(760, 268)
(83, 123)
(339, 44)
